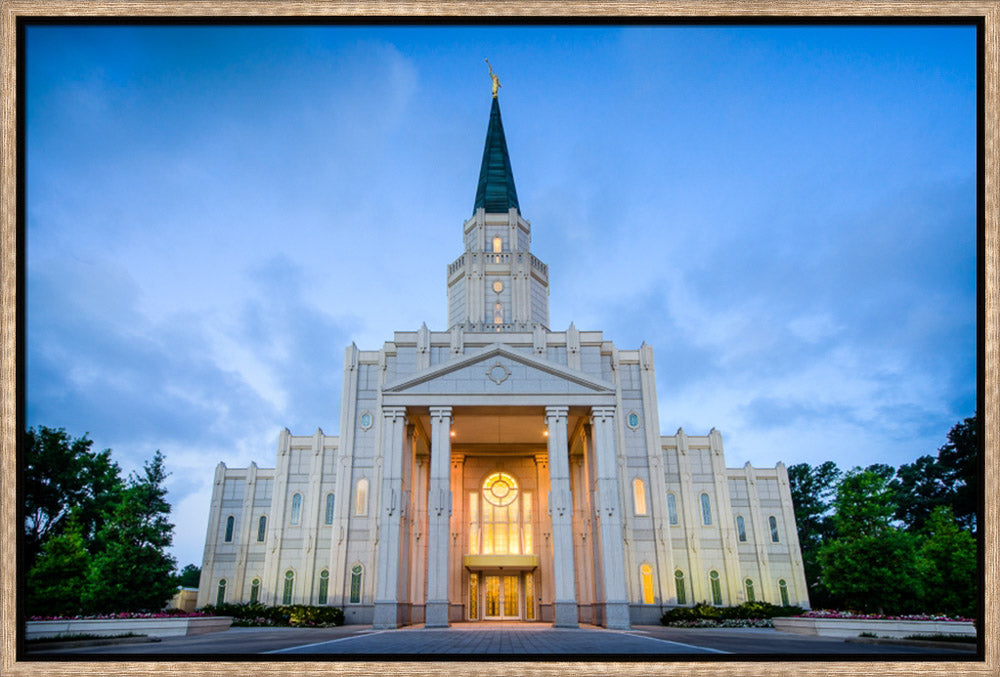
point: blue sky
(785, 214)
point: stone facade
(501, 470)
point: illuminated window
(230, 524)
(498, 313)
(529, 596)
(672, 509)
(324, 586)
(361, 497)
(500, 519)
(748, 584)
(328, 515)
(741, 528)
(356, 573)
(296, 515)
(255, 591)
(261, 528)
(773, 523)
(497, 245)
(706, 510)
(646, 576)
(639, 496)
(286, 596)
(497, 286)
(679, 585)
(221, 596)
(716, 585)
(783, 591)
(473, 595)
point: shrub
(744, 612)
(296, 615)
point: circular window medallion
(498, 286)
(498, 373)
(366, 420)
(632, 420)
(500, 489)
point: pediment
(497, 369)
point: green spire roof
(496, 192)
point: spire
(496, 192)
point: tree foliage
(948, 566)
(189, 576)
(56, 581)
(812, 489)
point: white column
(387, 568)
(561, 510)
(439, 518)
(616, 615)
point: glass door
(501, 597)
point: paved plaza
(529, 640)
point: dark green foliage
(257, 614)
(57, 579)
(812, 490)
(920, 487)
(189, 577)
(873, 572)
(131, 571)
(960, 458)
(948, 566)
(747, 610)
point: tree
(811, 490)
(57, 579)
(948, 566)
(920, 487)
(960, 459)
(61, 474)
(132, 571)
(189, 577)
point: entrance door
(502, 595)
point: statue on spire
(493, 77)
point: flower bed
(846, 624)
(153, 625)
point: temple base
(565, 615)
(437, 614)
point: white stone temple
(501, 470)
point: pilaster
(391, 507)
(616, 614)
(560, 509)
(439, 518)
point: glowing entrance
(502, 596)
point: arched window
(286, 595)
(261, 528)
(716, 585)
(296, 515)
(361, 497)
(741, 529)
(639, 496)
(497, 245)
(500, 520)
(646, 576)
(230, 524)
(255, 591)
(356, 573)
(706, 510)
(672, 509)
(220, 598)
(328, 515)
(773, 523)
(324, 586)
(748, 584)
(783, 591)
(498, 313)
(679, 585)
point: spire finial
(493, 77)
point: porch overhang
(500, 562)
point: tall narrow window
(706, 510)
(672, 509)
(783, 591)
(497, 245)
(296, 515)
(473, 523)
(255, 591)
(748, 584)
(220, 598)
(473, 595)
(773, 523)
(324, 586)
(679, 585)
(328, 515)
(286, 595)
(639, 496)
(356, 572)
(646, 577)
(261, 528)
(741, 529)
(498, 313)
(529, 596)
(361, 497)
(526, 526)
(716, 585)
(230, 524)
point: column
(616, 615)
(561, 510)
(438, 518)
(387, 576)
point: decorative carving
(498, 372)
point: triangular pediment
(497, 369)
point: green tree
(960, 459)
(812, 489)
(948, 566)
(920, 487)
(57, 579)
(189, 577)
(864, 504)
(132, 571)
(63, 474)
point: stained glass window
(221, 597)
(706, 510)
(324, 586)
(328, 516)
(473, 596)
(646, 576)
(230, 524)
(672, 508)
(296, 509)
(748, 584)
(679, 584)
(716, 584)
(361, 497)
(741, 528)
(254, 591)
(356, 571)
(783, 591)
(773, 523)
(286, 597)
(261, 528)
(639, 496)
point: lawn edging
(852, 627)
(153, 627)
